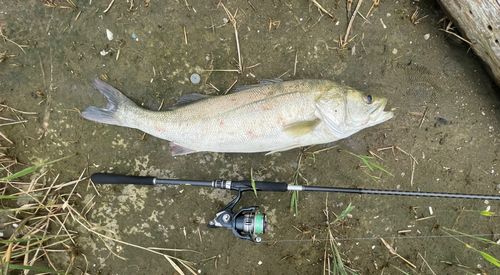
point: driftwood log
(479, 22)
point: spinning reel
(244, 223)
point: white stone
(109, 34)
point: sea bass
(268, 117)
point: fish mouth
(379, 115)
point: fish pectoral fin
(178, 150)
(189, 98)
(302, 127)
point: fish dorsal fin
(262, 82)
(189, 98)
(301, 128)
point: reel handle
(103, 178)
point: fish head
(350, 111)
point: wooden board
(479, 22)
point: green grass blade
(470, 236)
(21, 173)
(367, 164)
(20, 209)
(489, 258)
(32, 169)
(380, 168)
(294, 202)
(253, 182)
(17, 240)
(8, 197)
(487, 213)
(344, 213)
(34, 268)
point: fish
(271, 116)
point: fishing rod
(246, 222)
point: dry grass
(38, 216)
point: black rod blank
(399, 193)
(102, 178)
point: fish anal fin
(301, 128)
(178, 150)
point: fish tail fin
(108, 114)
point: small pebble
(395, 51)
(109, 34)
(427, 36)
(195, 78)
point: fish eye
(368, 98)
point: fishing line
(385, 238)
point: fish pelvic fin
(108, 114)
(301, 128)
(178, 150)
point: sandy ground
(420, 69)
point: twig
(6, 39)
(185, 36)
(423, 117)
(251, 5)
(321, 8)
(382, 21)
(412, 164)
(458, 36)
(12, 123)
(393, 252)
(109, 6)
(233, 21)
(8, 140)
(213, 87)
(350, 22)
(295, 64)
(418, 253)
(21, 112)
(366, 20)
(230, 87)
(403, 151)
(187, 5)
(424, 218)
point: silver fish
(269, 117)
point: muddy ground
(151, 58)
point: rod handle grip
(104, 178)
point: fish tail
(108, 114)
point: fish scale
(273, 117)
